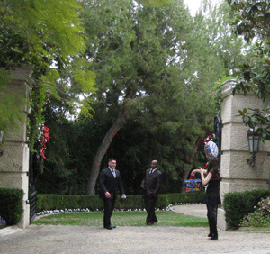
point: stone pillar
(236, 174)
(14, 164)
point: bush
(131, 202)
(11, 205)
(93, 202)
(261, 216)
(238, 204)
(185, 198)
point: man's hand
(107, 194)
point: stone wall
(14, 164)
(236, 173)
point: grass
(138, 219)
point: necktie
(113, 172)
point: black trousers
(150, 203)
(108, 209)
(212, 210)
(212, 217)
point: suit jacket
(152, 182)
(109, 183)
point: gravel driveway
(84, 239)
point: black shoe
(214, 237)
(109, 228)
(210, 234)
(149, 223)
(113, 226)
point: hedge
(11, 205)
(94, 202)
(238, 204)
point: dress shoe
(149, 223)
(109, 228)
(113, 226)
(214, 237)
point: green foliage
(228, 48)
(185, 198)
(41, 33)
(10, 103)
(43, 38)
(131, 202)
(251, 20)
(54, 202)
(238, 204)
(11, 205)
(93, 202)
(260, 217)
(158, 77)
(254, 116)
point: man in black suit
(151, 185)
(110, 180)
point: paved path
(198, 210)
(84, 239)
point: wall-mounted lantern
(253, 144)
(1, 142)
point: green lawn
(165, 219)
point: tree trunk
(196, 146)
(187, 171)
(117, 125)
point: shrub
(259, 218)
(131, 202)
(93, 202)
(238, 204)
(185, 198)
(11, 205)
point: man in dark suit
(110, 180)
(151, 185)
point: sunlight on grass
(165, 219)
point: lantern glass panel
(256, 144)
(251, 144)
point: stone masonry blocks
(237, 174)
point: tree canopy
(150, 66)
(155, 67)
(42, 34)
(251, 20)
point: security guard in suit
(110, 180)
(151, 185)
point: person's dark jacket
(152, 183)
(109, 183)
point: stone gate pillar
(236, 174)
(14, 164)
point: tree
(141, 59)
(251, 20)
(37, 36)
(228, 46)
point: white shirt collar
(153, 169)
